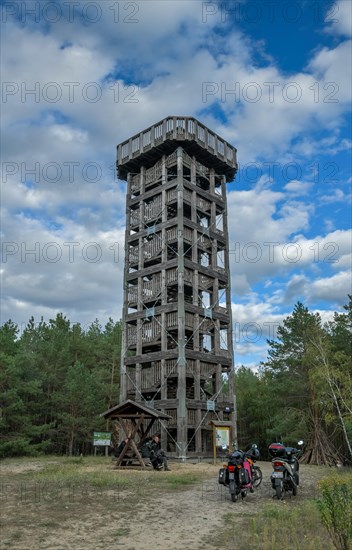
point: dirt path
(195, 514)
(136, 518)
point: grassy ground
(277, 526)
(83, 503)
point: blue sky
(273, 78)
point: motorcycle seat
(288, 460)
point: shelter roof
(132, 409)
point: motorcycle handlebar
(294, 451)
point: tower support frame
(177, 350)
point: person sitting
(157, 455)
(145, 448)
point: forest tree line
(56, 379)
(304, 389)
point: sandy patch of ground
(137, 516)
(24, 466)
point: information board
(101, 438)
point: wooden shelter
(136, 421)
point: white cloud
(67, 134)
(297, 187)
(75, 269)
(338, 195)
(333, 289)
(172, 60)
(330, 145)
(267, 239)
(345, 261)
(329, 67)
(339, 18)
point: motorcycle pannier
(277, 450)
(243, 476)
(222, 476)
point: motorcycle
(238, 474)
(285, 475)
(252, 455)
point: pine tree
(298, 406)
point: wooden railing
(151, 376)
(205, 282)
(153, 247)
(150, 331)
(207, 369)
(203, 204)
(134, 217)
(153, 208)
(172, 275)
(172, 195)
(135, 183)
(173, 127)
(153, 173)
(133, 255)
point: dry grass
(83, 504)
(279, 525)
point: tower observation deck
(177, 353)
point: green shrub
(335, 506)
(17, 447)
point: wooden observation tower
(177, 328)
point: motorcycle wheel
(296, 478)
(279, 489)
(257, 476)
(234, 497)
(294, 489)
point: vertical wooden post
(124, 344)
(214, 445)
(181, 362)
(232, 380)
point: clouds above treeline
(78, 82)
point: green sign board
(101, 438)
